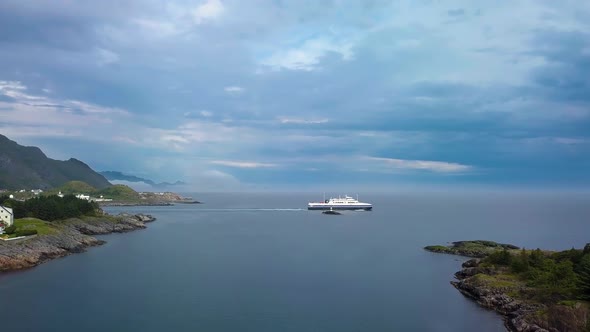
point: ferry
(340, 203)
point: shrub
(26, 232)
(10, 229)
(520, 263)
(584, 277)
(500, 257)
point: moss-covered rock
(477, 248)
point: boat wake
(247, 209)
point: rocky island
(62, 238)
(533, 290)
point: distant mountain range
(115, 175)
(27, 167)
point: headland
(534, 290)
(61, 238)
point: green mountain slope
(27, 167)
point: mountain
(27, 167)
(114, 176)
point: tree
(500, 257)
(537, 258)
(584, 276)
(520, 263)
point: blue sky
(256, 95)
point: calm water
(240, 263)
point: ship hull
(339, 207)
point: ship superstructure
(340, 203)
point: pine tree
(520, 263)
(584, 276)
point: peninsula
(534, 290)
(59, 239)
(47, 227)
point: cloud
(434, 166)
(207, 11)
(242, 164)
(106, 57)
(408, 43)
(307, 57)
(29, 110)
(456, 12)
(289, 120)
(233, 89)
(155, 28)
(304, 84)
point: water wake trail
(248, 209)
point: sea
(262, 262)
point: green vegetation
(10, 229)
(551, 277)
(543, 276)
(29, 168)
(34, 224)
(29, 226)
(557, 283)
(500, 281)
(440, 249)
(116, 192)
(74, 187)
(478, 248)
(583, 270)
(50, 208)
(119, 192)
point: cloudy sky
(239, 95)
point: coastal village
(7, 214)
(116, 195)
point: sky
(231, 95)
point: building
(6, 217)
(82, 196)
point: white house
(82, 196)
(6, 217)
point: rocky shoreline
(515, 312)
(496, 287)
(104, 204)
(71, 236)
(166, 203)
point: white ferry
(340, 203)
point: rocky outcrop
(73, 236)
(520, 316)
(477, 248)
(116, 203)
(97, 226)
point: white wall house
(82, 196)
(6, 216)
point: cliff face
(490, 291)
(74, 237)
(27, 167)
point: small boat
(331, 211)
(340, 203)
